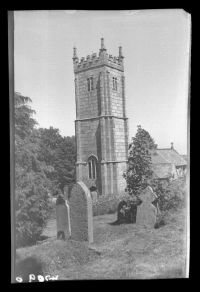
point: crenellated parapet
(102, 59)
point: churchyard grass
(124, 251)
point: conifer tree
(139, 162)
(31, 184)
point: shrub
(32, 211)
(170, 195)
(139, 170)
(31, 182)
(106, 205)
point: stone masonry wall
(88, 136)
(87, 102)
(119, 141)
(121, 183)
(98, 131)
(116, 100)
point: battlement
(103, 59)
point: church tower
(101, 125)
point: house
(168, 164)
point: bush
(32, 211)
(106, 205)
(31, 180)
(171, 195)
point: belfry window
(92, 167)
(114, 83)
(90, 85)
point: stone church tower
(101, 124)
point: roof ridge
(164, 149)
(169, 149)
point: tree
(24, 123)
(139, 171)
(59, 153)
(49, 142)
(65, 162)
(31, 183)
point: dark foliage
(59, 153)
(127, 211)
(31, 183)
(44, 163)
(171, 195)
(139, 170)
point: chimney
(102, 44)
(172, 145)
(120, 53)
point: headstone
(127, 210)
(68, 217)
(94, 196)
(63, 219)
(133, 209)
(121, 212)
(81, 216)
(66, 192)
(147, 212)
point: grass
(119, 252)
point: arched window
(92, 167)
(114, 83)
(90, 84)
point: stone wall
(116, 95)
(121, 182)
(87, 135)
(120, 141)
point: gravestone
(127, 210)
(146, 211)
(94, 196)
(81, 216)
(66, 192)
(63, 219)
(121, 212)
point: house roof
(163, 170)
(185, 157)
(157, 158)
(167, 155)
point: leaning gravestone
(63, 219)
(147, 212)
(81, 216)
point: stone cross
(81, 216)
(147, 212)
(63, 220)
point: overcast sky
(155, 45)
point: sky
(156, 47)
